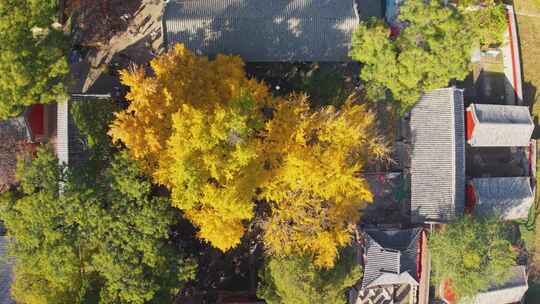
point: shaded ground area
(219, 274)
(370, 8)
(391, 199)
(325, 83)
(488, 84)
(497, 162)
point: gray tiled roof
(390, 256)
(438, 156)
(511, 291)
(507, 197)
(5, 273)
(501, 126)
(265, 31)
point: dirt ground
(134, 38)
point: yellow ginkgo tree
(193, 126)
(220, 142)
(314, 187)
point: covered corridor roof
(263, 31)
(438, 156)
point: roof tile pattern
(509, 198)
(390, 251)
(438, 156)
(264, 31)
(501, 126)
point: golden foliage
(197, 128)
(193, 127)
(314, 185)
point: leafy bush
(473, 254)
(33, 61)
(105, 238)
(295, 280)
(433, 47)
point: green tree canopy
(296, 280)
(100, 238)
(472, 254)
(433, 48)
(32, 55)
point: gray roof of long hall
(390, 251)
(509, 198)
(263, 31)
(438, 156)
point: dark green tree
(434, 47)
(472, 253)
(33, 52)
(296, 280)
(84, 240)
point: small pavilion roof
(391, 257)
(509, 198)
(500, 125)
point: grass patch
(529, 34)
(527, 6)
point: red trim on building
(469, 124)
(513, 52)
(35, 119)
(470, 201)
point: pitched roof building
(509, 198)
(438, 156)
(263, 31)
(395, 267)
(498, 125)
